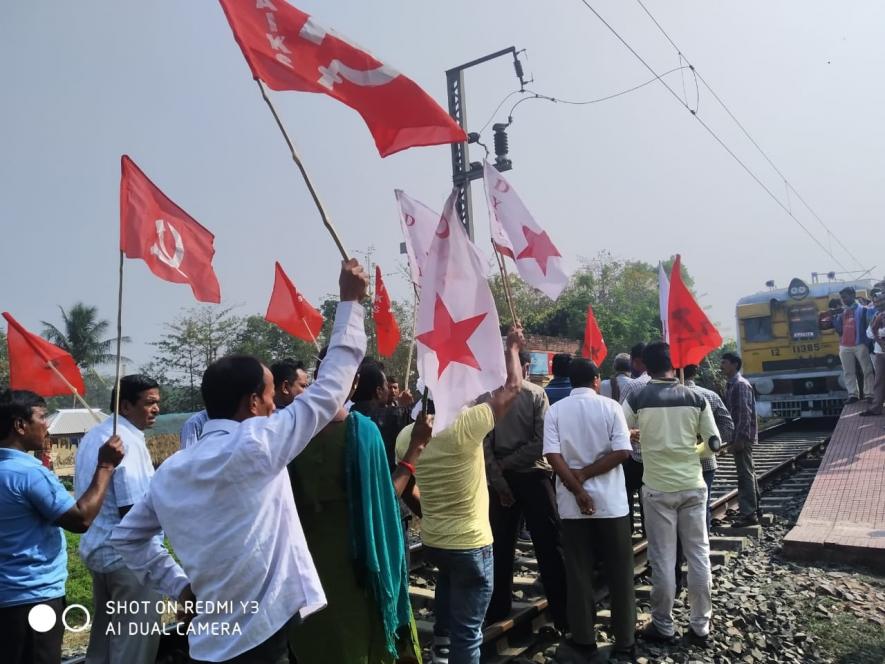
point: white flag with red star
(515, 233)
(419, 223)
(460, 353)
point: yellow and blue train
(790, 351)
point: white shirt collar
(582, 390)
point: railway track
(783, 452)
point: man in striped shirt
(671, 419)
(741, 402)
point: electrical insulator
(502, 161)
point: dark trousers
(536, 500)
(609, 540)
(274, 650)
(633, 482)
(21, 643)
(748, 484)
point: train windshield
(803, 322)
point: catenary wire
(712, 133)
(789, 185)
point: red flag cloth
(289, 311)
(594, 347)
(692, 335)
(174, 246)
(29, 357)
(286, 49)
(386, 329)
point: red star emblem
(448, 338)
(539, 247)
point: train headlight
(764, 385)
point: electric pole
(463, 170)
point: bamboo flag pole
(414, 334)
(297, 159)
(74, 391)
(502, 268)
(310, 332)
(119, 344)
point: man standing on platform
(520, 484)
(586, 440)
(741, 402)
(851, 326)
(876, 332)
(110, 639)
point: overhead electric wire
(557, 100)
(746, 133)
(712, 133)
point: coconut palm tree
(82, 335)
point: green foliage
(4, 361)
(78, 589)
(81, 334)
(255, 336)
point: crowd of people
(860, 324)
(288, 506)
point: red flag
(286, 49)
(594, 347)
(386, 329)
(29, 359)
(289, 311)
(174, 246)
(692, 335)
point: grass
(846, 637)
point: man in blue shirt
(560, 386)
(33, 555)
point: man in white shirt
(110, 640)
(586, 440)
(226, 502)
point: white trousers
(682, 513)
(847, 355)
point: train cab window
(803, 321)
(757, 329)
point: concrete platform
(843, 519)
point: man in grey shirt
(521, 484)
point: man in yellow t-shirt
(455, 524)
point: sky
(638, 176)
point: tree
(269, 343)
(4, 361)
(82, 336)
(193, 341)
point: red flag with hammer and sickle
(594, 347)
(30, 358)
(288, 50)
(153, 228)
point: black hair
(656, 357)
(848, 290)
(734, 358)
(371, 377)
(392, 379)
(636, 351)
(17, 405)
(689, 371)
(131, 387)
(227, 381)
(582, 372)
(286, 370)
(834, 303)
(525, 358)
(561, 362)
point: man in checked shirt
(741, 402)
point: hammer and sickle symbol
(158, 248)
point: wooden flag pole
(316, 199)
(502, 267)
(414, 333)
(74, 391)
(315, 342)
(119, 344)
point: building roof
(71, 421)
